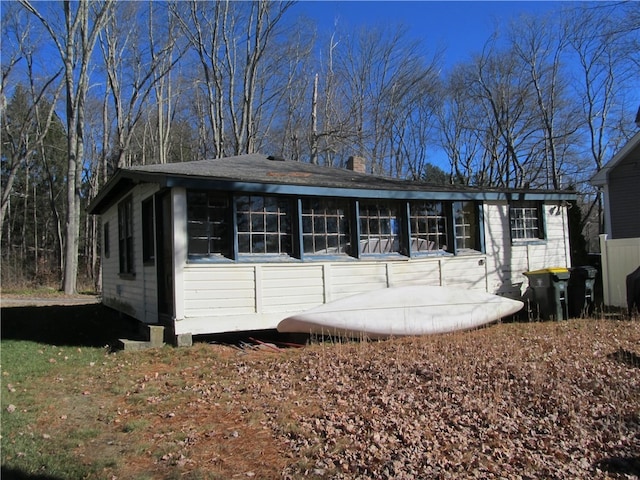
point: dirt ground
(11, 300)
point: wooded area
(88, 87)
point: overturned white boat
(400, 311)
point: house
(239, 243)
(619, 180)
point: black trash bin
(548, 289)
(581, 290)
(633, 291)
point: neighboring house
(239, 243)
(619, 180)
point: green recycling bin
(581, 290)
(549, 292)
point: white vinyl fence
(620, 257)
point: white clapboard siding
(135, 296)
(212, 275)
(291, 288)
(519, 263)
(501, 261)
(507, 262)
(110, 265)
(420, 271)
(219, 290)
(353, 278)
(150, 294)
(468, 272)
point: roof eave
(601, 177)
(118, 186)
(124, 180)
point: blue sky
(460, 27)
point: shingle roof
(259, 173)
(256, 168)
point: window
(105, 245)
(264, 224)
(221, 224)
(148, 244)
(465, 217)
(325, 226)
(379, 228)
(207, 224)
(125, 236)
(526, 221)
(428, 226)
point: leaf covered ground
(536, 400)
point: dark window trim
(106, 246)
(126, 239)
(226, 241)
(478, 229)
(403, 211)
(330, 238)
(285, 209)
(395, 233)
(541, 238)
(147, 212)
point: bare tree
(134, 73)
(23, 134)
(378, 81)
(457, 126)
(604, 68)
(166, 56)
(74, 41)
(540, 46)
(233, 42)
(331, 130)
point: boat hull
(402, 311)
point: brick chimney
(357, 164)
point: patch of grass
(42, 292)
(29, 445)
(133, 425)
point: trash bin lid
(587, 270)
(552, 270)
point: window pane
(244, 243)
(325, 228)
(307, 243)
(307, 223)
(207, 223)
(428, 226)
(242, 203)
(198, 246)
(466, 225)
(379, 228)
(257, 203)
(263, 225)
(257, 222)
(525, 220)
